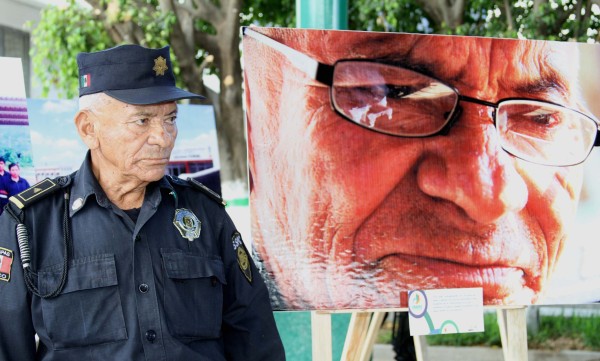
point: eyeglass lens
(544, 133)
(402, 102)
(391, 99)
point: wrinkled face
(345, 217)
(134, 141)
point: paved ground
(440, 353)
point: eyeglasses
(401, 102)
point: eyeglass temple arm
(314, 69)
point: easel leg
(371, 337)
(420, 346)
(321, 336)
(357, 330)
(513, 333)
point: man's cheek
(552, 201)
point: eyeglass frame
(323, 73)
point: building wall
(15, 35)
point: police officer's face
(344, 216)
(135, 140)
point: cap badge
(187, 224)
(160, 66)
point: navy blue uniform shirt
(135, 291)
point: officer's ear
(86, 127)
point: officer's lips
(160, 161)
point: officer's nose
(469, 168)
(160, 135)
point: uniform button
(150, 335)
(138, 238)
(144, 288)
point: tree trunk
(447, 12)
(230, 125)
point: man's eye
(142, 121)
(398, 91)
(171, 120)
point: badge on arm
(6, 260)
(243, 257)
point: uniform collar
(85, 184)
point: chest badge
(187, 223)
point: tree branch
(207, 11)
(207, 42)
(509, 19)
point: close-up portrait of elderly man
(381, 163)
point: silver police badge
(187, 223)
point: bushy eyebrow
(551, 81)
(148, 114)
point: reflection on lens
(391, 99)
(545, 133)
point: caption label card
(451, 310)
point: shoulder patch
(6, 260)
(39, 191)
(243, 258)
(209, 192)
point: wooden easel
(364, 326)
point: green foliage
(10, 155)
(552, 20)
(384, 15)
(65, 31)
(582, 331)
(269, 13)
(61, 34)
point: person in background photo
(4, 177)
(382, 163)
(15, 184)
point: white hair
(93, 101)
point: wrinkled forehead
(446, 57)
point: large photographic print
(381, 163)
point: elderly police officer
(118, 261)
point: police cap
(132, 74)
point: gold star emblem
(160, 65)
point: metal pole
(322, 14)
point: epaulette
(199, 186)
(39, 191)
(209, 192)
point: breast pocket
(193, 295)
(88, 311)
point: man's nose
(469, 168)
(159, 135)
